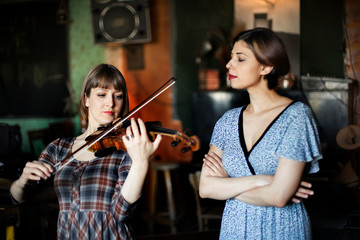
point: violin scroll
(190, 143)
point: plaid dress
(89, 194)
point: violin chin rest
(104, 152)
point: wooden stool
(165, 168)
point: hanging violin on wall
(114, 138)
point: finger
(37, 166)
(142, 128)
(129, 133)
(212, 161)
(157, 141)
(208, 170)
(35, 177)
(301, 195)
(216, 158)
(212, 169)
(49, 167)
(305, 191)
(125, 138)
(35, 173)
(134, 128)
(208, 162)
(210, 158)
(295, 200)
(305, 184)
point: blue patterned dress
(292, 135)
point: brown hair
(104, 76)
(269, 50)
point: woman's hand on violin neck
(138, 144)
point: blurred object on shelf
(288, 81)
(209, 79)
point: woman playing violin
(96, 194)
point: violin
(114, 138)
(116, 124)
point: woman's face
(104, 105)
(244, 70)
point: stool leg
(152, 209)
(170, 198)
(10, 233)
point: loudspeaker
(121, 21)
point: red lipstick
(230, 77)
(109, 112)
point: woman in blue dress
(258, 152)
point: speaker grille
(122, 22)
(119, 22)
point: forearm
(285, 184)
(132, 188)
(223, 188)
(265, 196)
(17, 190)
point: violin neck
(154, 127)
(161, 130)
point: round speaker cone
(101, 1)
(119, 22)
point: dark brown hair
(104, 76)
(269, 50)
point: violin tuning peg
(175, 143)
(185, 149)
(186, 131)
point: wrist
(140, 166)
(19, 184)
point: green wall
(83, 54)
(190, 22)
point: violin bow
(116, 123)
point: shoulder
(62, 143)
(232, 113)
(298, 109)
(299, 114)
(228, 117)
(57, 149)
